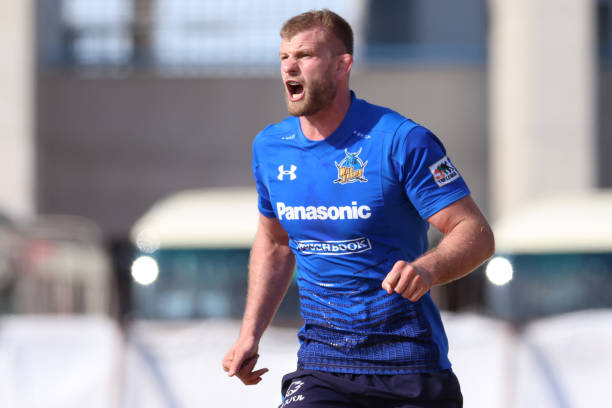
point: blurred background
(127, 205)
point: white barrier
(562, 361)
(557, 362)
(174, 365)
(51, 362)
(60, 362)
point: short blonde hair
(326, 19)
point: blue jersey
(352, 205)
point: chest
(328, 193)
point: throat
(317, 128)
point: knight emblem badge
(351, 168)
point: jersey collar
(340, 135)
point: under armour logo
(291, 173)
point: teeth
(292, 83)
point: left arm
(467, 243)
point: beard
(319, 94)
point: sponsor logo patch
(443, 171)
(321, 212)
(294, 387)
(347, 247)
(289, 397)
(351, 168)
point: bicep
(270, 229)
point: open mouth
(295, 90)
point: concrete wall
(604, 149)
(542, 70)
(109, 148)
(16, 109)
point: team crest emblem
(351, 168)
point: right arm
(270, 271)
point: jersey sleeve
(264, 204)
(429, 179)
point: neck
(323, 123)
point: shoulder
(276, 131)
(386, 121)
(382, 118)
(400, 134)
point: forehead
(312, 38)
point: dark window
(200, 283)
(97, 32)
(426, 30)
(212, 36)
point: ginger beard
(319, 93)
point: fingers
(233, 360)
(254, 377)
(228, 359)
(246, 373)
(247, 367)
(237, 362)
(234, 364)
(393, 277)
(413, 288)
(407, 280)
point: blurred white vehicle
(193, 251)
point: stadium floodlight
(145, 270)
(499, 271)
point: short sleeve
(264, 204)
(429, 178)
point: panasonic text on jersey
(321, 212)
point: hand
(240, 360)
(408, 280)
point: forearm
(270, 271)
(467, 245)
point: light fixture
(145, 270)
(499, 271)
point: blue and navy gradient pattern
(363, 332)
(351, 324)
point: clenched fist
(408, 280)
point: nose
(289, 65)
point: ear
(345, 63)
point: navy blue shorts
(309, 389)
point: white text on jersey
(321, 212)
